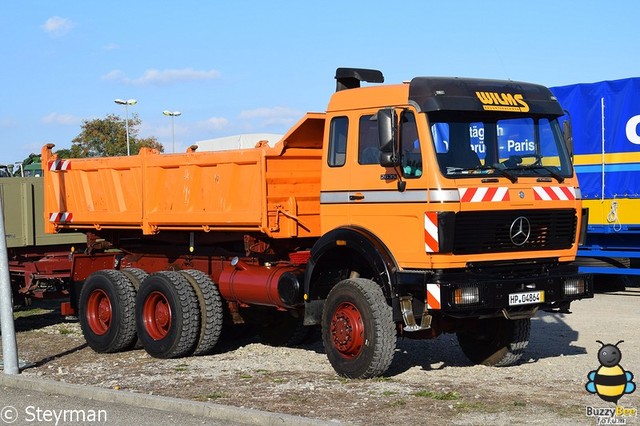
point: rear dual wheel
(178, 314)
(211, 310)
(167, 315)
(107, 311)
(175, 314)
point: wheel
(211, 311)
(107, 311)
(284, 330)
(497, 342)
(167, 315)
(135, 275)
(358, 330)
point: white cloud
(111, 46)
(115, 75)
(272, 116)
(162, 77)
(57, 26)
(65, 119)
(214, 123)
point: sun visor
(482, 95)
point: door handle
(355, 197)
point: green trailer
(39, 263)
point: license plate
(526, 298)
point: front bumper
(488, 289)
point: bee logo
(610, 381)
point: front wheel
(496, 342)
(358, 330)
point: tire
(284, 330)
(211, 311)
(358, 331)
(496, 342)
(107, 311)
(167, 315)
(135, 275)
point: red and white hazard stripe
(554, 193)
(59, 165)
(483, 194)
(61, 217)
(431, 242)
(433, 296)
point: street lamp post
(172, 114)
(126, 111)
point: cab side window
(410, 147)
(368, 146)
(338, 141)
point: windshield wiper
(500, 168)
(557, 176)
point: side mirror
(387, 131)
(568, 135)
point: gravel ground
(429, 381)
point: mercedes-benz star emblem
(520, 231)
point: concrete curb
(203, 409)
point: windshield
(468, 144)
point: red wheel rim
(157, 315)
(99, 313)
(347, 330)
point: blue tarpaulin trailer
(605, 119)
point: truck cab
(458, 197)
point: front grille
(490, 231)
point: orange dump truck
(437, 205)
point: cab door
(336, 176)
(377, 202)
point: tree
(107, 137)
(64, 153)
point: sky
(238, 67)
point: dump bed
(275, 191)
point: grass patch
(28, 312)
(246, 376)
(519, 404)
(474, 407)
(398, 403)
(440, 396)
(181, 367)
(210, 396)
